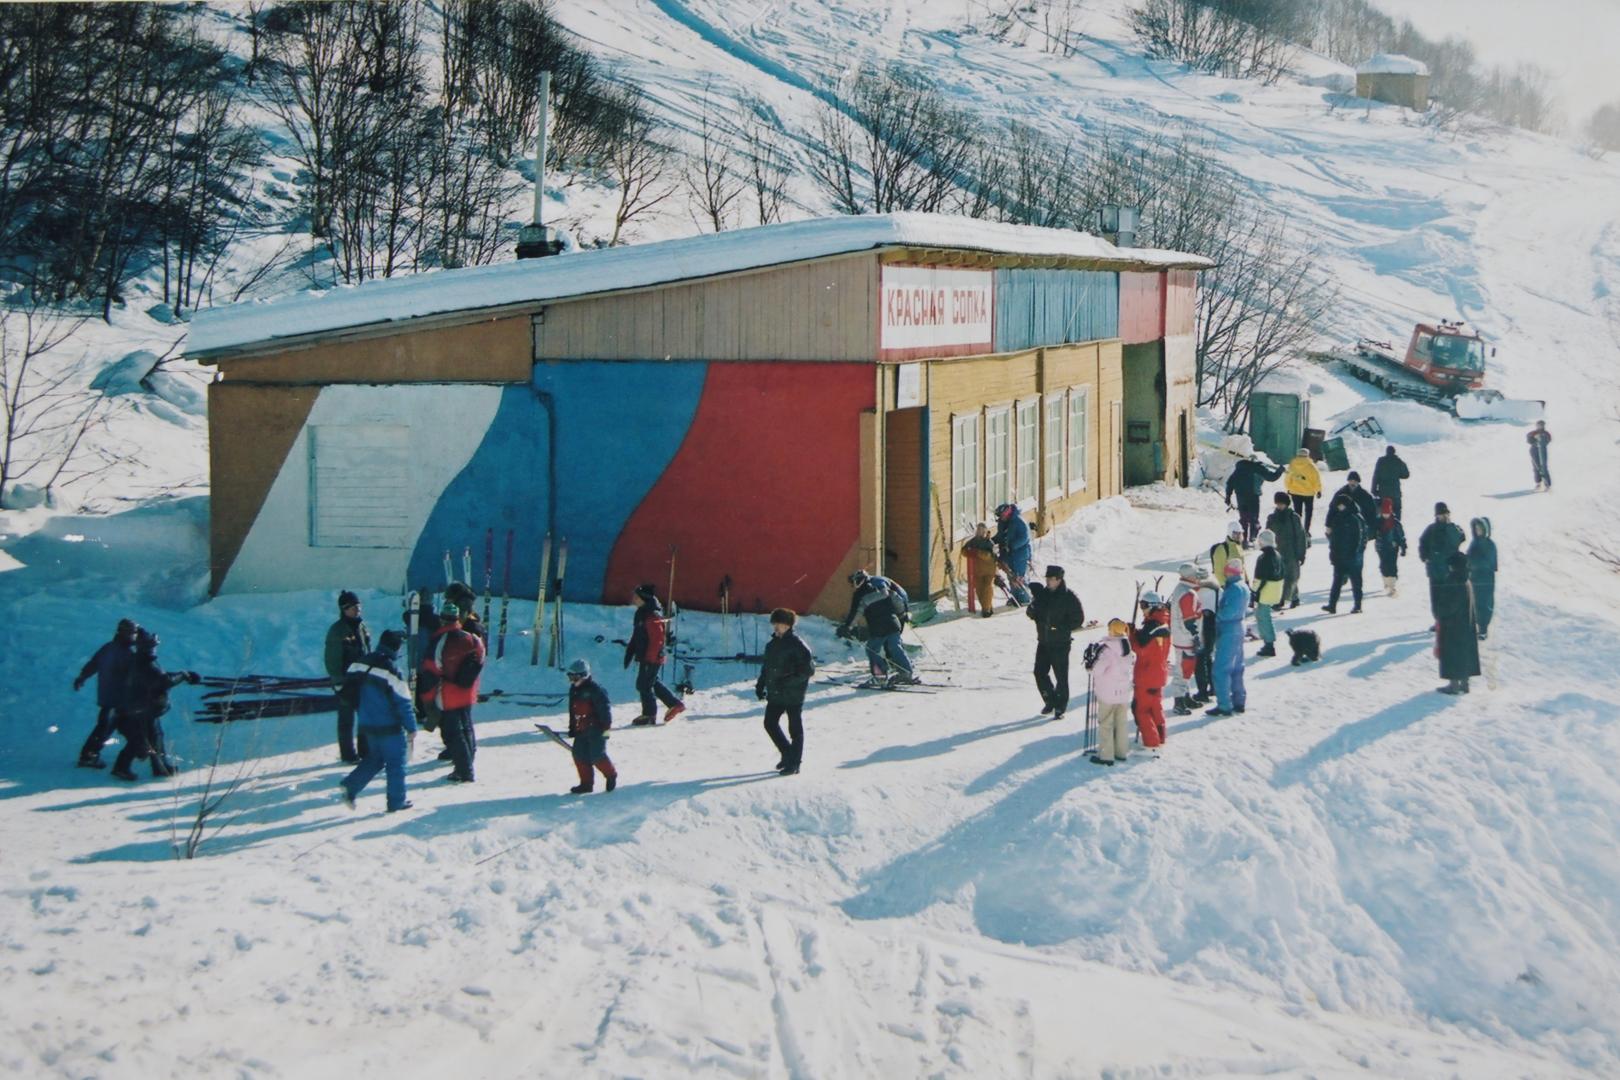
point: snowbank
(1405, 423)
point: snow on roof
(236, 326)
(1393, 64)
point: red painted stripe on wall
(1141, 303)
(765, 488)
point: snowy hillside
(1359, 876)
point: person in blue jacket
(1230, 694)
(383, 710)
(110, 665)
(1012, 545)
(1482, 572)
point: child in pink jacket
(1113, 674)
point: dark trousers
(1538, 462)
(1249, 518)
(792, 747)
(590, 751)
(1204, 668)
(143, 738)
(346, 735)
(1052, 674)
(457, 725)
(1484, 603)
(1303, 505)
(648, 685)
(106, 724)
(1290, 583)
(1341, 574)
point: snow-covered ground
(1357, 877)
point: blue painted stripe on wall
(1055, 307)
(619, 425)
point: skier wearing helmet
(1231, 548)
(1012, 544)
(589, 717)
(1184, 637)
(1151, 643)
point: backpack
(896, 594)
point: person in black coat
(1347, 546)
(1457, 643)
(1057, 614)
(784, 676)
(1387, 477)
(1439, 542)
(1293, 544)
(1363, 502)
(110, 665)
(877, 600)
(646, 649)
(1538, 440)
(1482, 573)
(140, 711)
(1246, 483)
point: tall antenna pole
(534, 239)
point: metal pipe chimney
(535, 241)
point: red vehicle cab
(1449, 356)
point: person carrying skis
(1292, 544)
(1184, 643)
(646, 649)
(1230, 694)
(589, 718)
(882, 604)
(449, 676)
(1246, 484)
(1209, 599)
(784, 676)
(110, 665)
(1390, 544)
(1456, 643)
(1361, 501)
(383, 711)
(1270, 586)
(979, 552)
(141, 707)
(1231, 548)
(1538, 440)
(1482, 573)
(1387, 477)
(1012, 544)
(347, 640)
(1113, 684)
(1347, 547)
(1057, 614)
(1439, 542)
(1304, 485)
(1151, 644)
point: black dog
(1306, 645)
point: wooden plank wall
(1053, 307)
(497, 350)
(822, 310)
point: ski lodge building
(780, 405)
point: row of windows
(1008, 463)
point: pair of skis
(489, 582)
(550, 590)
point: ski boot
(581, 789)
(644, 721)
(1268, 649)
(93, 761)
(674, 711)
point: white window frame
(1027, 489)
(1058, 454)
(1079, 408)
(965, 465)
(995, 493)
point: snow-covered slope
(1357, 877)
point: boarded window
(1079, 435)
(1028, 450)
(964, 474)
(1054, 446)
(997, 456)
(358, 493)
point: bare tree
(638, 164)
(45, 408)
(1251, 39)
(768, 164)
(711, 175)
(1604, 128)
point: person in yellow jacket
(1229, 549)
(1304, 483)
(980, 555)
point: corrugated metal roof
(442, 293)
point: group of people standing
(132, 694)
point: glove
(844, 632)
(573, 732)
(78, 684)
(193, 678)
(759, 692)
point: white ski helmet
(1190, 572)
(1152, 599)
(581, 668)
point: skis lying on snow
(520, 697)
(227, 710)
(225, 686)
(868, 684)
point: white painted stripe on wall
(446, 424)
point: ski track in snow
(1357, 877)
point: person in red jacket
(646, 650)
(1151, 643)
(449, 675)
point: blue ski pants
(888, 645)
(385, 751)
(1229, 690)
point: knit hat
(580, 668)
(1234, 528)
(1387, 507)
(1266, 539)
(647, 590)
(783, 617)
(1190, 572)
(1280, 498)
(127, 626)
(390, 642)
(449, 610)
(347, 599)
(1234, 568)
(462, 595)
(1353, 476)
(1441, 508)
(146, 641)
(1055, 571)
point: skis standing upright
(669, 622)
(466, 566)
(558, 644)
(449, 568)
(540, 602)
(725, 614)
(413, 619)
(489, 568)
(506, 599)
